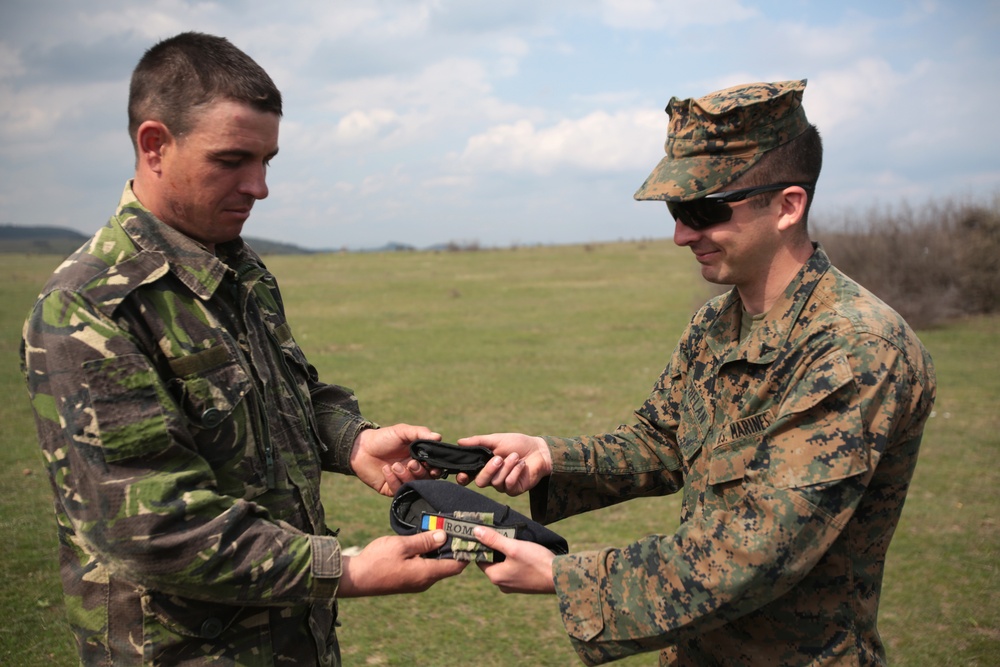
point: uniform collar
(191, 262)
(769, 335)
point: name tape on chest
(748, 426)
(458, 527)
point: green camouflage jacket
(794, 450)
(184, 433)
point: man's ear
(793, 207)
(152, 138)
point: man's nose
(684, 235)
(255, 182)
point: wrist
(347, 588)
(362, 434)
(546, 454)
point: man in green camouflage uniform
(789, 416)
(183, 428)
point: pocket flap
(729, 463)
(210, 394)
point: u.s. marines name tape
(457, 527)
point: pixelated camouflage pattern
(713, 139)
(794, 450)
(184, 433)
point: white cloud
(34, 118)
(358, 126)
(11, 66)
(152, 21)
(861, 90)
(813, 43)
(841, 96)
(433, 109)
(20, 119)
(671, 14)
(599, 141)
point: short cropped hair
(179, 76)
(798, 161)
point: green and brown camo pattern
(793, 450)
(713, 140)
(184, 433)
(471, 550)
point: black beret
(450, 458)
(436, 504)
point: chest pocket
(212, 389)
(728, 465)
(729, 462)
(211, 394)
(738, 442)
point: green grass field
(556, 340)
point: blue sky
(501, 123)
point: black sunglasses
(714, 209)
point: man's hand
(381, 456)
(527, 567)
(521, 462)
(392, 564)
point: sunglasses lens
(701, 213)
(675, 211)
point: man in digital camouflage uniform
(789, 416)
(183, 428)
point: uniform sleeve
(779, 508)
(136, 494)
(592, 472)
(636, 460)
(339, 421)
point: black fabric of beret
(437, 497)
(450, 458)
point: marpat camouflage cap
(712, 140)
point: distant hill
(39, 240)
(265, 247)
(17, 233)
(20, 239)
(62, 241)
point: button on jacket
(184, 433)
(793, 449)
